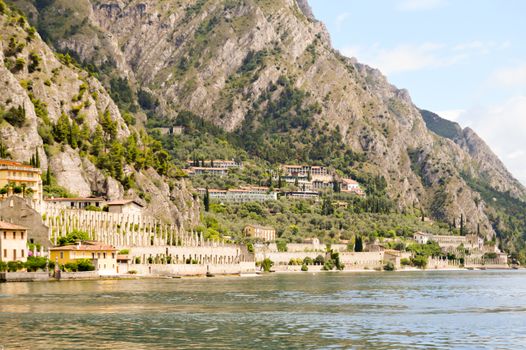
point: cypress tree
(37, 159)
(462, 224)
(206, 200)
(358, 244)
(48, 177)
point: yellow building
(13, 242)
(103, 257)
(24, 180)
(267, 234)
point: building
(351, 186)
(103, 257)
(21, 180)
(471, 242)
(20, 211)
(206, 171)
(13, 242)
(125, 206)
(216, 163)
(302, 195)
(268, 234)
(241, 195)
(75, 203)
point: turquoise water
(411, 310)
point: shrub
(405, 262)
(419, 261)
(15, 116)
(124, 251)
(267, 264)
(328, 265)
(34, 62)
(389, 266)
(85, 265)
(35, 263)
(137, 260)
(93, 208)
(308, 261)
(132, 272)
(304, 267)
(282, 245)
(19, 64)
(14, 266)
(3, 266)
(320, 260)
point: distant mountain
(265, 74)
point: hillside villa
(265, 233)
(242, 194)
(22, 180)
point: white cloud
(503, 127)
(341, 19)
(419, 5)
(404, 58)
(509, 77)
(428, 55)
(452, 114)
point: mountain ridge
(238, 64)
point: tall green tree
(206, 200)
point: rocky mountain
(51, 106)
(265, 72)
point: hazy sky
(463, 59)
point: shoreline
(241, 275)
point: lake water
(408, 310)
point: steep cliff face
(40, 90)
(225, 61)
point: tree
(61, 130)
(47, 181)
(462, 224)
(97, 144)
(73, 237)
(326, 207)
(358, 244)
(206, 200)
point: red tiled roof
(13, 163)
(9, 226)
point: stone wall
(23, 276)
(193, 269)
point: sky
(462, 59)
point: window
(104, 255)
(113, 255)
(14, 254)
(22, 252)
(93, 255)
(22, 235)
(62, 255)
(14, 234)
(5, 235)
(5, 253)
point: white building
(13, 242)
(75, 203)
(125, 206)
